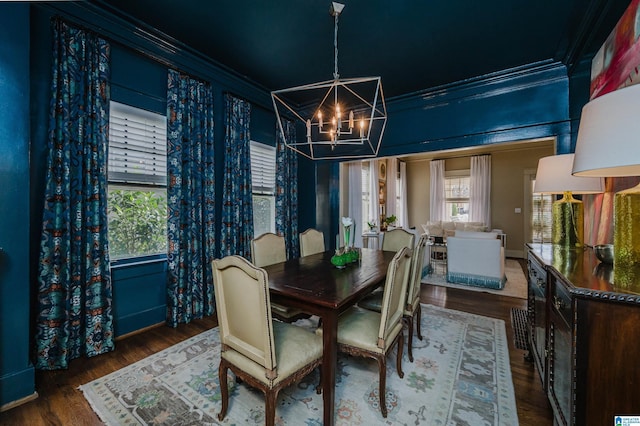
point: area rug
(460, 375)
(516, 285)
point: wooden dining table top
(313, 279)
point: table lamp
(554, 177)
(609, 145)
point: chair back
(396, 239)
(311, 242)
(244, 312)
(268, 249)
(394, 297)
(415, 277)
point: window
(541, 216)
(456, 190)
(263, 182)
(137, 174)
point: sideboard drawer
(561, 300)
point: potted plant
(372, 226)
(390, 221)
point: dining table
(315, 286)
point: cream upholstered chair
(412, 310)
(266, 250)
(396, 239)
(373, 334)
(265, 354)
(311, 242)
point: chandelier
(334, 119)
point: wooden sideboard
(584, 335)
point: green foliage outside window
(137, 223)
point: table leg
(329, 363)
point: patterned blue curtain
(74, 315)
(190, 195)
(287, 191)
(237, 208)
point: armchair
(412, 310)
(311, 242)
(265, 354)
(266, 250)
(373, 334)
(476, 259)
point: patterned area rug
(516, 285)
(460, 375)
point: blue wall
(524, 103)
(518, 104)
(17, 379)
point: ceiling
(413, 45)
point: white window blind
(137, 146)
(263, 168)
(541, 216)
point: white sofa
(476, 259)
(445, 229)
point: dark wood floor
(61, 403)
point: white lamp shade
(609, 135)
(554, 177)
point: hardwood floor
(61, 403)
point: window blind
(137, 146)
(263, 168)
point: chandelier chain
(335, 48)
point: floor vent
(519, 324)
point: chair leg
(224, 389)
(270, 397)
(382, 386)
(409, 321)
(319, 387)
(418, 314)
(399, 357)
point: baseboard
(517, 254)
(13, 404)
(142, 330)
(17, 388)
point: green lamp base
(567, 228)
(626, 237)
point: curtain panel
(74, 313)
(480, 190)
(403, 214)
(237, 207)
(373, 211)
(190, 199)
(287, 191)
(436, 193)
(354, 206)
(392, 196)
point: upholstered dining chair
(311, 242)
(370, 334)
(412, 310)
(265, 354)
(266, 250)
(395, 239)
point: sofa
(445, 229)
(476, 259)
